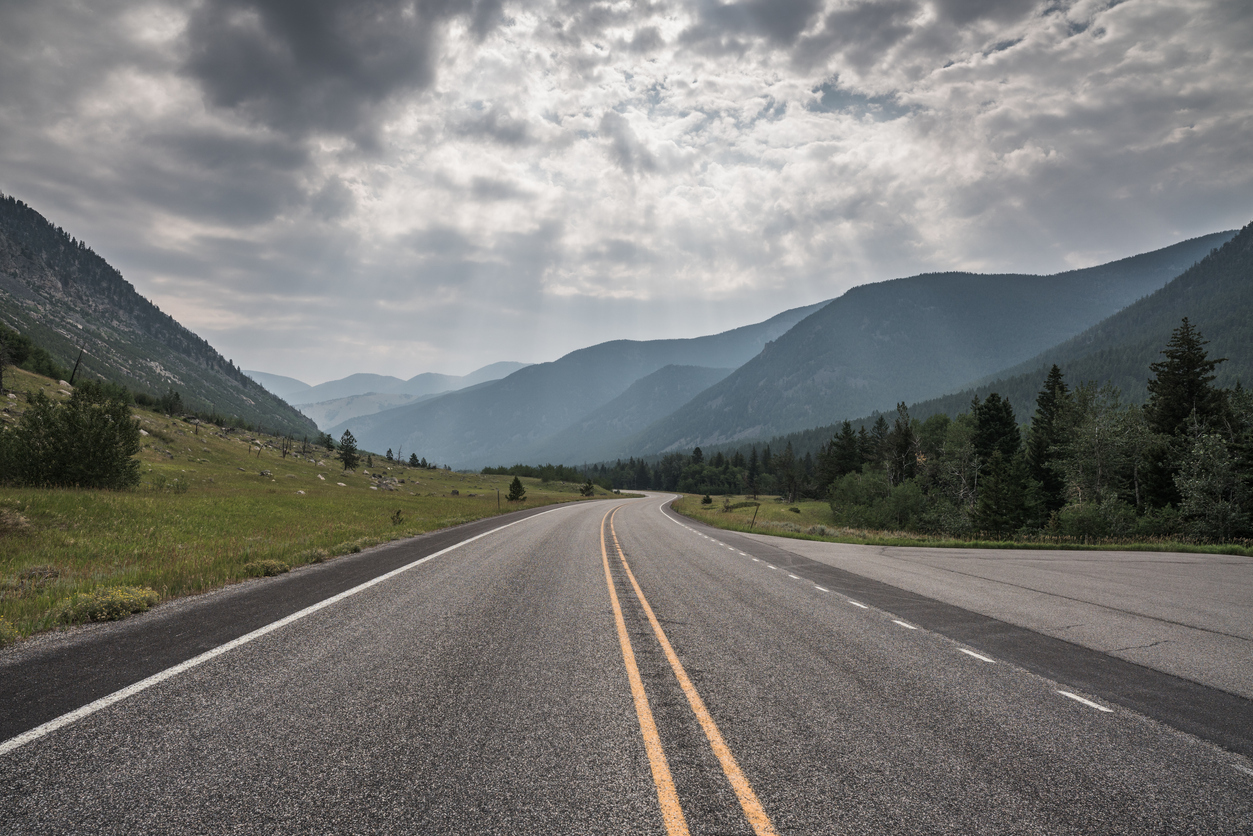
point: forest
(1086, 465)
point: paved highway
(606, 668)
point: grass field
(812, 520)
(210, 504)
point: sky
(322, 187)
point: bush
(8, 633)
(106, 604)
(88, 442)
(265, 568)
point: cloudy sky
(320, 187)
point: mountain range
(902, 340)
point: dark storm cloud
(320, 66)
(862, 31)
(778, 21)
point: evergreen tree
(517, 492)
(902, 446)
(413, 460)
(878, 442)
(1045, 436)
(996, 429)
(348, 451)
(389, 454)
(1181, 384)
(1006, 499)
(785, 471)
(697, 456)
(753, 472)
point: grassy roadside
(212, 508)
(811, 520)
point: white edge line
(1089, 703)
(821, 588)
(157, 678)
(859, 604)
(977, 655)
(794, 577)
(903, 624)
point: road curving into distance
(609, 668)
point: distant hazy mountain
(908, 340)
(67, 298)
(601, 435)
(287, 388)
(330, 413)
(496, 421)
(427, 383)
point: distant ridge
(496, 421)
(908, 340)
(65, 297)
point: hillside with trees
(59, 293)
(910, 339)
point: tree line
(1087, 465)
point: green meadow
(213, 507)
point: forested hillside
(62, 295)
(910, 339)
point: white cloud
(454, 184)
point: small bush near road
(109, 603)
(8, 633)
(266, 568)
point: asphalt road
(637, 674)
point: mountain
(600, 435)
(496, 421)
(1216, 295)
(330, 413)
(287, 388)
(62, 295)
(908, 340)
(427, 383)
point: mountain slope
(1217, 297)
(910, 339)
(600, 435)
(65, 297)
(498, 420)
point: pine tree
(413, 459)
(753, 472)
(348, 451)
(1043, 439)
(517, 493)
(1181, 384)
(1006, 496)
(878, 442)
(996, 429)
(902, 447)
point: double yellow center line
(667, 796)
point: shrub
(8, 633)
(265, 568)
(88, 442)
(105, 604)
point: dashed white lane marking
(1243, 769)
(903, 624)
(822, 589)
(756, 560)
(979, 656)
(794, 577)
(859, 604)
(1088, 703)
(768, 566)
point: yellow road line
(667, 796)
(743, 790)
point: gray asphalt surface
(1190, 615)
(485, 692)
